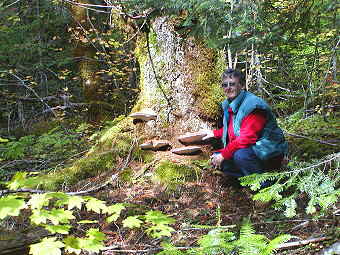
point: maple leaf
(115, 209)
(61, 229)
(62, 198)
(37, 201)
(96, 205)
(11, 206)
(92, 245)
(39, 216)
(94, 233)
(48, 246)
(17, 181)
(73, 244)
(75, 201)
(70, 201)
(159, 230)
(60, 216)
(157, 217)
(132, 222)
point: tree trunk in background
(88, 66)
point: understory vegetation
(70, 162)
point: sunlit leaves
(115, 210)
(132, 222)
(56, 216)
(11, 206)
(93, 242)
(37, 201)
(159, 230)
(290, 208)
(73, 244)
(159, 224)
(217, 240)
(61, 229)
(318, 186)
(48, 246)
(60, 216)
(75, 202)
(157, 217)
(96, 205)
(18, 180)
(39, 216)
(70, 201)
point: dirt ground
(211, 200)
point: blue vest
(271, 141)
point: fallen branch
(36, 191)
(303, 242)
(312, 139)
(282, 246)
(147, 250)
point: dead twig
(147, 250)
(281, 246)
(312, 139)
(303, 242)
(36, 191)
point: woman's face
(231, 87)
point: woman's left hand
(216, 160)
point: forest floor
(212, 199)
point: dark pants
(245, 162)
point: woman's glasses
(228, 84)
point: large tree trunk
(179, 80)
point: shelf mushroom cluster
(188, 140)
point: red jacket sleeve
(218, 133)
(250, 129)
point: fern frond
(254, 180)
(250, 243)
(273, 244)
(216, 241)
(270, 193)
(169, 249)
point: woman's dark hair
(233, 73)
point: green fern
(313, 180)
(217, 241)
(250, 243)
(16, 149)
(170, 249)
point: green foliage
(11, 206)
(314, 126)
(171, 174)
(19, 180)
(156, 223)
(93, 242)
(132, 222)
(16, 149)
(169, 249)
(115, 210)
(159, 224)
(220, 241)
(216, 241)
(250, 243)
(319, 184)
(48, 246)
(48, 211)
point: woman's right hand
(208, 134)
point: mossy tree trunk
(179, 80)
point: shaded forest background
(71, 71)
